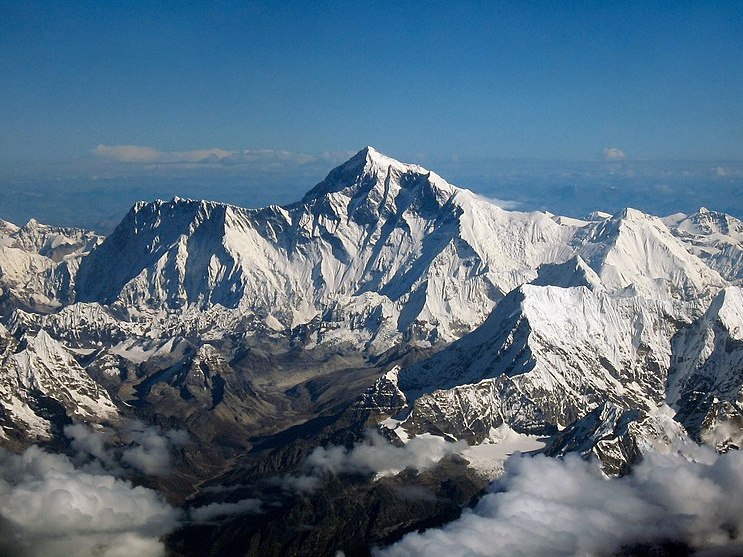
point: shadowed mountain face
(236, 360)
(392, 247)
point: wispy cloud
(140, 154)
(376, 454)
(546, 507)
(211, 511)
(507, 204)
(146, 449)
(143, 154)
(732, 171)
(614, 154)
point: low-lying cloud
(373, 455)
(376, 454)
(550, 507)
(151, 449)
(49, 507)
(146, 449)
(211, 511)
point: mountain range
(385, 300)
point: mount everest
(385, 298)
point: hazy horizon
(567, 108)
(96, 192)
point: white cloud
(298, 483)
(143, 154)
(372, 455)
(263, 159)
(376, 454)
(51, 508)
(144, 448)
(614, 154)
(507, 204)
(550, 507)
(215, 510)
(151, 448)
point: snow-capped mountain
(384, 292)
(637, 253)
(385, 297)
(383, 246)
(706, 383)
(714, 237)
(43, 386)
(545, 357)
(38, 263)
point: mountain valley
(264, 371)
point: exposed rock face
(716, 238)
(385, 298)
(618, 437)
(38, 263)
(380, 247)
(707, 373)
(545, 357)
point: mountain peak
(370, 151)
(369, 159)
(727, 309)
(631, 214)
(364, 170)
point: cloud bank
(549, 507)
(49, 508)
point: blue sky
(104, 89)
(555, 80)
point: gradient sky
(543, 80)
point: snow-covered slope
(636, 253)
(706, 382)
(376, 233)
(42, 383)
(226, 319)
(545, 357)
(38, 263)
(714, 237)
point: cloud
(294, 483)
(215, 510)
(143, 154)
(507, 204)
(372, 455)
(263, 159)
(151, 448)
(49, 507)
(614, 154)
(147, 449)
(376, 454)
(545, 506)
